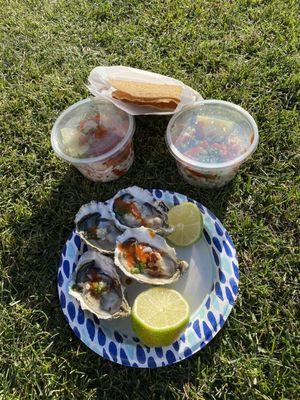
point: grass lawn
(240, 51)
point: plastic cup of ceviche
(96, 137)
(210, 140)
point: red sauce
(134, 252)
(128, 208)
(95, 277)
(98, 137)
(92, 231)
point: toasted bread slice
(147, 90)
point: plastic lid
(91, 130)
(212, 134)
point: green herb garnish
(135, 271)
(140, 266)
(98, 287)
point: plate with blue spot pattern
(210, 286)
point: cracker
(164, 106)
(147, 90)
(118, 94)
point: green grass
(240, 51)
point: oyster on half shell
(96, 227)
(96, 285)
(147, 258)
(135, 207)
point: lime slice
(159, 315)
(187, 221)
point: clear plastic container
(96, 137)
(210, 140)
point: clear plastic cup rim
(201, 165)
(102, 157)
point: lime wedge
(159, 315)
(187, 221)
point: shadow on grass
(41, 237)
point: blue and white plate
(210, 286)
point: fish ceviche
(210, 140)
(95, 132)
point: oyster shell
(96, 227)
(147, 258)
(135, 207)
(95, 283)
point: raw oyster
(134, 207)
(95, 283)
(146, 257)
(95, 226)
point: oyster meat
(96, 285)
(147, 258)
(135, 207)
(96, 227)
